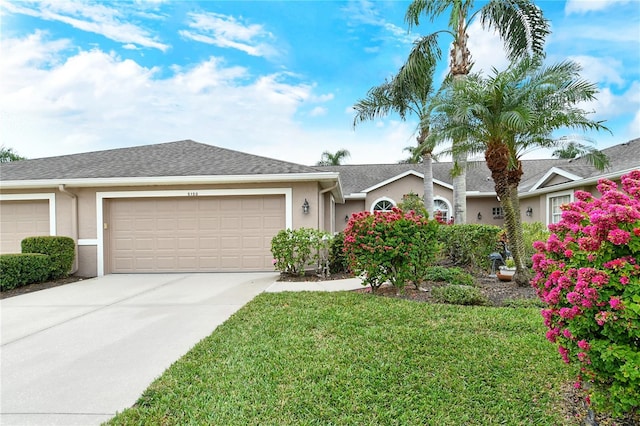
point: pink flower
(619, 237)
(615, 303)
(624, 280)
(583, 344)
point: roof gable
(552, 175)
(401, 176)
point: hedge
(61, 251)
(21, 269)
(468, 245)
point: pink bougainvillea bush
(393, 246)
(588, 273)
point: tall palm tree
(519, 23)
(330, 159)
(406, 94)
(509, 114)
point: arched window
(442, 208)
(383, 204)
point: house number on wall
(192, 194)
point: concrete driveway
(76, 354)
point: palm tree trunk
(513, 224)
(506, 182)
(427, 162)
(460, 64)
(460, 189)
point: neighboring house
(171, 207)
(546, 185)
(185, 206)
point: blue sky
(271, 78)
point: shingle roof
(357, 178)
(181, 158)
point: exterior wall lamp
(346, 218)
(305, 207)
(479, 216)
(529, 212)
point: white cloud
(318, 111)
(602, 70)
(229, 32)
(487, 50)
(584, 6)
(366, 12)
(95, 18)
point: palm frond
(520, 23)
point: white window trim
(449, 206)
(51, 196)
(548, 213)
(101, 196)
(381, 199)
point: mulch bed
(496, 291)
(39, 286)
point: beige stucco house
(546, 185)
(172, 207)
(185, 206)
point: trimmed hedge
(61, 251)
(468, 245)
(21, 269)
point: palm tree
(406, 94)
(509, 114)
(571, 149)
(329, 159)
(519, 23)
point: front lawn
(347, 358)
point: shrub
(390, 246)
(413, 201)
(61, 252)
(523, 303)
(338, 262)
(295, 250)
(452, 275)
(459, 295)
(17, 270)
(532, 232)
(588, 275)
(468, 245)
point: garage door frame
(101, 196)
(51, 196)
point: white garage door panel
(20, 219)
(194, 234)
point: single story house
(172, 207)
(190, 207)
(546, 185)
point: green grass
(345, 358)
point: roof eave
(173, 180)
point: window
(383, 205)
(441, 208)
(554, 205)
(497, 212)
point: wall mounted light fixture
(479, 216)
(529, 212)
(305, 207)
(346, 218)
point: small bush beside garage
(61, 251)
(21, 269)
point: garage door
(199, 234)
(20, 219)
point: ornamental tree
(393, 247)
(588, 273)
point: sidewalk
(329, 285)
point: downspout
(320, 194)
(74, 224)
